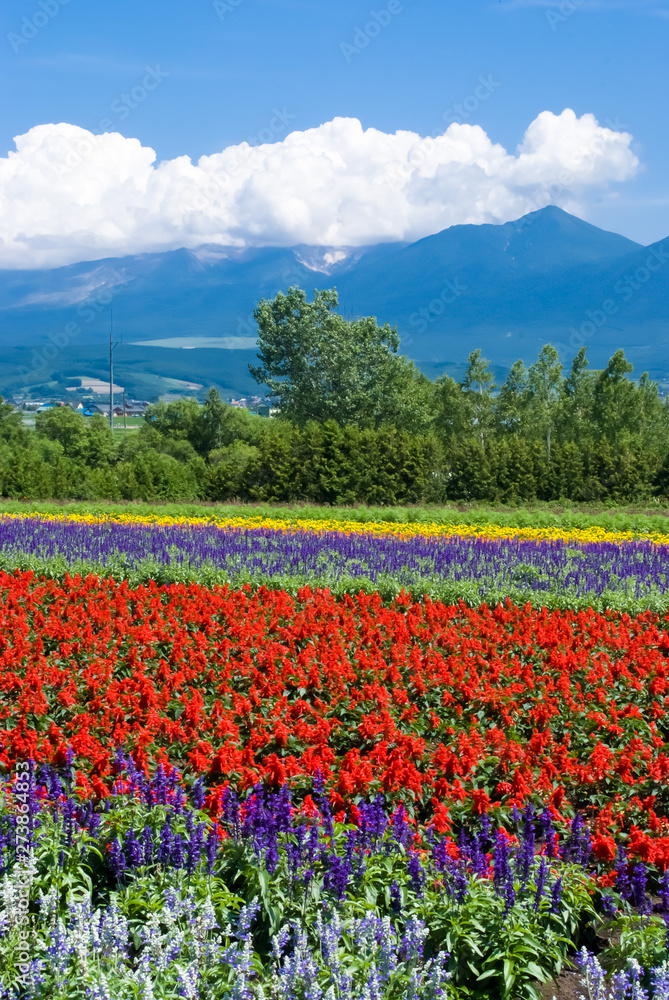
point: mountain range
(185, 318)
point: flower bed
(263, 791)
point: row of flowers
(145, 895)
(423, 529)
(478, 568)
(452, 711)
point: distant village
(92, 397)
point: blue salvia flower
(177, 853)
(460, 882)
(627, 985)
(609, 906)
(638, 887)
(69, 760)
(402, 834)
(440, 856)
(508, 894)
(195, 848)
(556, 897)
(373, 821)
(525, 856)
(231, 812)
(116, 859)
(133, 850)
(69, 814)
(272, 855)
(623, 886)
(198, 794)
(416, 872)
(593, 977)
(165, 845)
(147, 846)
(178, 802)
(159, 786)
(464, 846)
(501, 870)
(659, 980)
(321, 800)
(542, 875)
(663, 891)
(282, 809)
(485, 832)
(187, 982)
(211, 849)
(413, 940)
(395, 897)
(337, 876)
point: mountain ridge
(506, 288)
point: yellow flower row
(578, 536)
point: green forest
(359, 423)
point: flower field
(271, 788)
(578, 567)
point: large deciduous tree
(319, 366)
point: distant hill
(505, 288)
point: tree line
(359, 423)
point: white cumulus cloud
(68, 195)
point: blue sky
(255, 70)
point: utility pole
(111, 370)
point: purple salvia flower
(198, 794)
(508, 894)
(638, 886)
(177, 853)
(395, 898)
(132, 850)
(159, 786)
(556, 897)
(542, 875)
(321, 799)
(211, 849)
(165, 845)
(178, 802)
(116, 859)
(283, 808)
(501, 870)
(623, 886)
(147, 845)
(460, 884)
(272, 855)
(416, 873)
(69, 814)
(663, 891)
(337, 876)
(231, 812)
(402, 834)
